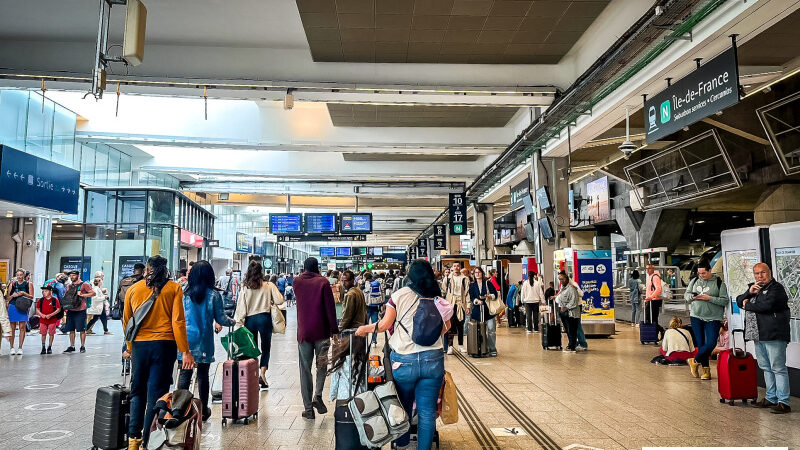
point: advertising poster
(596, 279)
(787, 271)
(599, 206)
(126, 264)
(74, 263)
(739, 273)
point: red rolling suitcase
(736, 373)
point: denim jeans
(532, 316)
(491, 335)
(581, 337)
(261, 326)
(419, 378)
(706, 334)
(771, 357)
(151, 377)
(571, 325)
(636, 312)
(373, 314)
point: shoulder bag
(135, 322)
(278, 321)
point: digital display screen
(342, 251)
(528, 203)
(376, 251)
(356, 223)
(545, 229)
(529, 234)
(362, 251)
(543, 199)
(285, 223)
(327, 252)
(320, 223)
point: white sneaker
(19, 352)
(463, 349)
(450, 350)
(633, 325)
(13, 351)
(580, 348)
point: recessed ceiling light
(699, 221)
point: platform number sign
(458, 213)
(422, 248)
(439, 237)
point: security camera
(627, 148)
(29, 243)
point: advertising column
(596, 280)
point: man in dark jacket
(766, 322)
(354, 312)
(316, 323)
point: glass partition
(99, 250)
(131, 207)
(161, 207)
(101, 207)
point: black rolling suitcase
(477, 338)
(344, 430)
(648, 331)
(111, 416)
(551, 330)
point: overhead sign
(356, 223)
(439, 237)
(320, 223)
(711, 88)
(191, 239)
(458, 213)
(322, 238)
(519, 192)
(285, 223)
(213, 243)
(30, 180)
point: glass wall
(125, 226)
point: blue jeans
(491, 335)
(636, 312)
(261, 324)
(771, 357)
(373, 314)
(151, 377)
(706, 334)
(419, 378)
(582, 337)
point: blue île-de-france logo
(666, 111)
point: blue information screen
(285, 223)
(29, 180)
(327, 252)
(342, 251)
(356, 223)
(320, 223)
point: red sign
(194, 240)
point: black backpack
(71, 299)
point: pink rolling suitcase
(240, 390)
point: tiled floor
(609, 397)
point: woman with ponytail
(160, 336)
(253, 310)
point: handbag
(278, 321)
(135, 322)
(495, 305)
(449, 398)
(23, 304)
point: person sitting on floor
(677, 344)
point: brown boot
(134, 443)
(706, 373)
(694, 367)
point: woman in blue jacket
(478, 291)
(202, 307)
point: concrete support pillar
(551, 172)
(483, 218)
(778, 205)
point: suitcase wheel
(224, 422)
(245, 421)
(731, 402)
(722, 400)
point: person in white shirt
(456, 291)
(532, 295)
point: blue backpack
(428, 323)
(375, 296)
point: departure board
(286, 223)
(327, 252)
(342, 252)
(320, 223)
(356, 223)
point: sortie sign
(711, 88)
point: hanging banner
(713, 87)
(518, 193)
(458, 213)
(439, 237)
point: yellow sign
(4, 270)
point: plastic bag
(240, 344)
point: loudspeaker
(133, 41)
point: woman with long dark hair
(202, 305)
(160, 337)
(253, 310)
(418, 370)
(479, 290)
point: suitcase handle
(736, 350)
